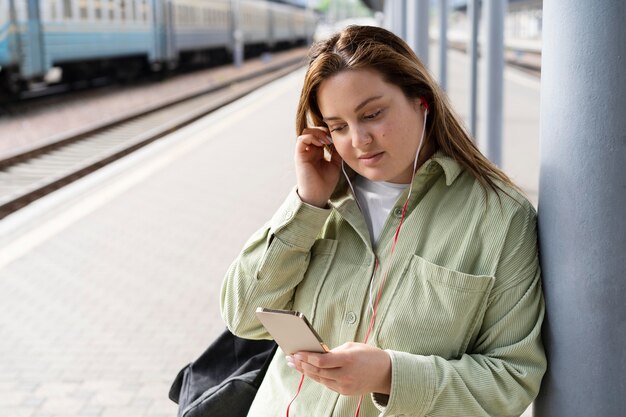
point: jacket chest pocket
(308, 291)
(433, 310)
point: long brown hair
(369, 47)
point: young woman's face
(375, 128)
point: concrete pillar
(582, 208)
(417, 27)
(388, 15)
(443, 44)
(397, 17)
(492, 85)
(238, 41)
(473, 15)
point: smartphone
(291, 330)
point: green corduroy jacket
(460, 313)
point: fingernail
(291, 365)
(329, 139)
(289, 359)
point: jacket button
(397, 212)
(351, 317)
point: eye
(373, 115)
(337, 129)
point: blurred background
(143, 141)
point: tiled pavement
(109, 287)
(97, 318)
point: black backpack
(223, 381)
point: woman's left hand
(350, 369)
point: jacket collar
(450, 167)
(344, 201)
(439, 160)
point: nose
(360, 137)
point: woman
(412, 255)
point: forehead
(348, 88)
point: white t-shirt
(376, 199)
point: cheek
(343, 148)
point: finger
(321, 135)
(316, 129)
(321, 360)
(310, 140)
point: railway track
(31, 175)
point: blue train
(85, 38)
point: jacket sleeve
(501, 373)
(270, 266)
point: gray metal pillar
(582, 208)
(493, 81)
(399, 13)
(238, 41)
(443, 44)
(472, 15)
(388, 13)
(417, 27)
(401, 31)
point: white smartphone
(291, 330)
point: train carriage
(75, 34)
(282, 24)
(254, 21)
(8, 56)
(201, 25)
(89, 38)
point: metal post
(493, 80)
(473, 14)
(443, 44)
(582, 207)
(402, 32)
(398, 17)
(417, 27)
(388, 13)
(237, 34)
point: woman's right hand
(316, 177)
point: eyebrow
(356, 109)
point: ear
(420, 104)
(424, 103)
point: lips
(371, 158)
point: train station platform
(110, 285)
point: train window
(97, 8)
(122, 6)
(138, 10)
(54, 14)
(130, 10)
(67, 9)
(145, 13)
(83, 9)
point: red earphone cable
(295, 396)
(380, 288)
